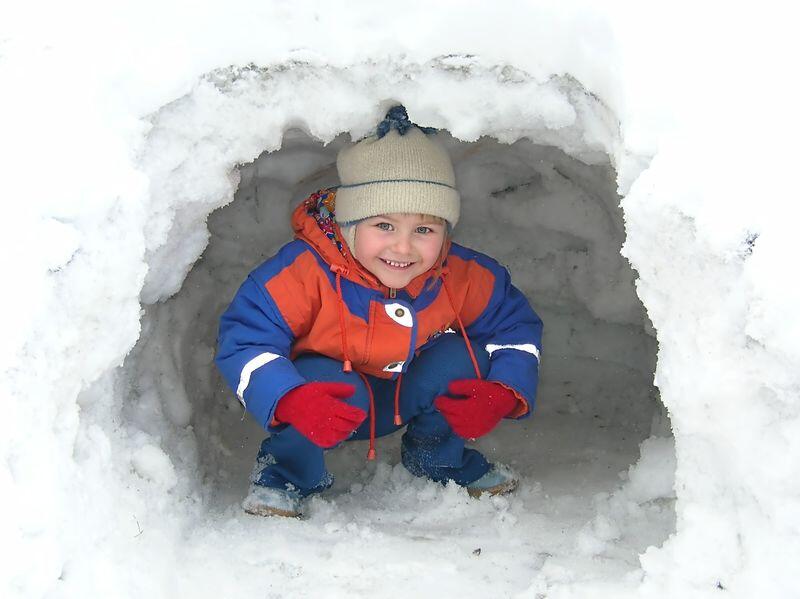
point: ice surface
(122, 133)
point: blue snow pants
(288, 460)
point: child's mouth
(396, 264)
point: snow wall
(699, 140)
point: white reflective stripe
(527, 347)
(249, 368)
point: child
(371, 320)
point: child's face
(396, 247)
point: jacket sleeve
(511, 333)
(253, 352)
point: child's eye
(384, 226)
(424, 230)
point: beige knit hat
(400, 169)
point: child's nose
(402, 244)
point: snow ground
(380, 530)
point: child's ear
(349, 236)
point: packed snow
(152, 156)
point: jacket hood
(313, 222)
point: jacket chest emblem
(399, 314)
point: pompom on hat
(399, 169)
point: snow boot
(267, 501)
(499, 480)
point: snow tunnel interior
(551, 216)
(553, 220)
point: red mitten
(318, 412)
(474, 406)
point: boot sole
(502, 489)
(265, 511)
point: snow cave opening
(539, 194)
(553, 220)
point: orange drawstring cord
(463, 331)
(397, 420)
(348, 365)
(371, 453)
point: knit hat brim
(365, 201)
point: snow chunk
(640, 512)
(151, 463)
(653, 476)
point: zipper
(392, 293)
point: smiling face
(397, 247)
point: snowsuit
(313, 313)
